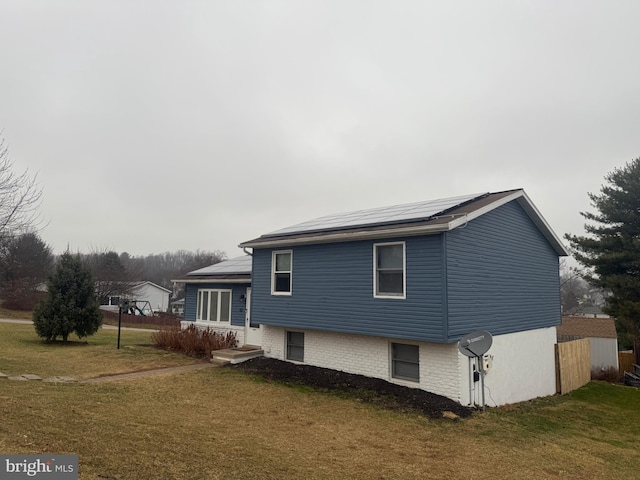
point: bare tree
(573, 287)
(164, 267)
(20, 197)
(112, 278)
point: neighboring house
(602, 336)
(148, 296)
(157, 296)
(586, 310)
(218, 297)
(388, 293)
(177, 307)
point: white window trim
(218, 291)
(273, 273)
(404, 381)
(404, 271)
(286, 346)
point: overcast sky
(160, 125)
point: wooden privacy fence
(159, 319)
(625, 362)
(573, 365)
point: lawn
(221, 423)
(21, 351)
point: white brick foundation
(365, 355)
(523, 365)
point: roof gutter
(347, 236)
(212, 280)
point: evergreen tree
(70, 305)
(611, 251)
(25, 263)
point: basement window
(405, 362)
(295, 346)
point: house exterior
(218, 297)
(602, 336)
(388, 293)
(177, 307)
(142, 292)
(157, 296)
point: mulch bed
(371, 390)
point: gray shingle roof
(233, 266)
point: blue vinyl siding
(237, 306)
(502, 275)
(332, 289)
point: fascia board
(212, 280)
(458, 222)
(527, 205)
(347, 236)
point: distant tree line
(116, 274)
(26, 262)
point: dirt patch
(366, 389)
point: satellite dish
(475, 344)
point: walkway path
(108, 378)
(149, 373)
(112, 378)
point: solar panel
(238, 265)
(376, 216)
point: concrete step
(236, 355)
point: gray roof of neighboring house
(234, 270)
(420, 218)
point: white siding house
(157, 296)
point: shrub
(193, 341)
(610, 374)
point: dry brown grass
(222, 424)
(21, 351)
(16, 314)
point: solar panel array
(238, 265)
(376, 216)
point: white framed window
(389, 270)
(295, 346)
(281, 270)
(214, 306)
(405, 361)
